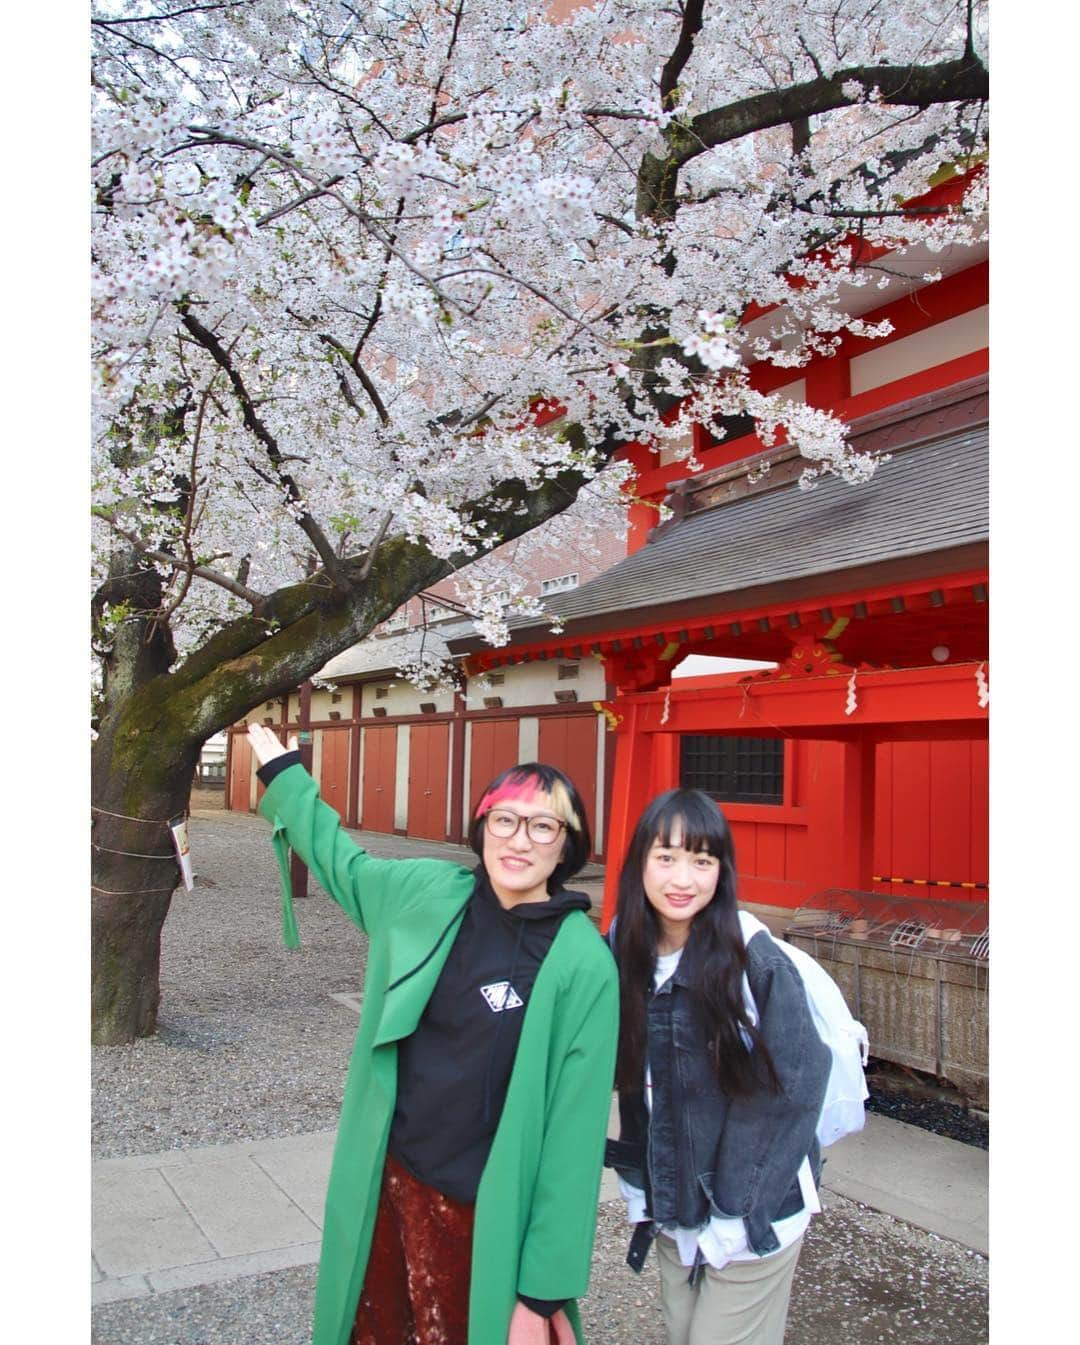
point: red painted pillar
(629, 794)
(297, 868)
(457, 771)
(354, 758)
(228, 768)
(664, 774)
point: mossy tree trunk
(155, 713)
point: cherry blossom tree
(345, 252)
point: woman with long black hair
(721, 1076)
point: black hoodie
(454, 1070)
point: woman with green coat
(461, 1208)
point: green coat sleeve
(362, 885)
(557, 1248)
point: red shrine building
(859, 759)
(851, 761)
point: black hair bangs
(688, 818)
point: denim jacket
(702, 1153)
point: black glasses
(503, 823)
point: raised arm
(359, 883)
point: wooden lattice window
(733, 770)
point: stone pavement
(190, 1217)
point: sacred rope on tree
(343, 253)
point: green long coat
(536, 1205)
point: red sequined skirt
(416, 1287)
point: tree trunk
(134, 794)
(140, 777)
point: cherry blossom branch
(233, 586)
(376, 542)
(618, 113)
(174, 14)
(312, 195)
(683, 50)
(354, 364)
(189, 512)
(217, 352)
(500, 274)
(108, 25)
(436, 92)
(437, 123)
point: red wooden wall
(772, 841)
(931, 816)
(931, 812)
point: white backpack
(843, 1111)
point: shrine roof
(924, 500)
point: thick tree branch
(923, 86)
(907, 86)
(302, 626)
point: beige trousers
(746, 1303)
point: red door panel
(240, 774)
(494, 748)
(429, 748)
(911, 812)
(569, 742)
(980, 813)
(380, 778)
(931, 815)
(950, 815)
(334, 769)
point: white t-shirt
(720, 1240)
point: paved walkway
(195, 1216)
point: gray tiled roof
(385, 654)
(923, 500)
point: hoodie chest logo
(501, 995)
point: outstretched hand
(267, 745)
(529, 1328)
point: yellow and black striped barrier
(932, 882)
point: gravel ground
(921, 1109)
(251, 1045)
(863, 1278)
